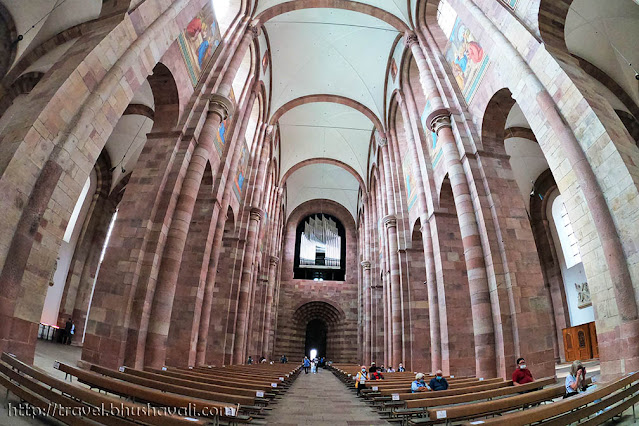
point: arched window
(567, 238)
(320, 248)
(446, 17)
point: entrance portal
(316, 331)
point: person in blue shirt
(306, 364)
(419, 385)
(438, 382)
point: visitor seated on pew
(576, 380)
(401, 368)
(375, 374)
(419, 385)
(522, 375)
(390, 370)
(438, 382)
(360, 380)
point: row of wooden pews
(216, 395)
(473, 400)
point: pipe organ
(320, 244)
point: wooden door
(583, 338)
(593, 339)
(571, 347)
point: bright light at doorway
(313, 353)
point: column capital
(253, 29)
(220, 105)
(274, 260)
(439, 120)
(256, 213)
(390, 220)
(410, 39)
(381, 139)
(366, 265)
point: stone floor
(313, 399)
(321, 399)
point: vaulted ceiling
(338, 53)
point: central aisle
(321, 399)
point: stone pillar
(120, 298)
(235, 152)
(249, 255)
(160, 316)
(241, 328)
(390, 223)
(272, 270)
(219, 108)
(431, 280)
(368, 246)
(366, 274)
(439, 122)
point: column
(219, 108)
(431, 280)
(235, 151)
(390, 224)
(439, 122)
(251, 244)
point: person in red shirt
(522, 375)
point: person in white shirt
(576, 380)
(360, 379)
(419, 385)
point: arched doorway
(319, 325)
(316, 333)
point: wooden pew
(245, 391)
(211, 379)
(419, 406)
(614, 398)
(496, 406)
(246, 403)
(29, 385)
(151, 395)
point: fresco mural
(411, 188)
(220, 138)
(467, 59)
(198, 41)
(435, 150)
(240, 178)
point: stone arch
(181, 343)
(8, 40)
(166, 97)
(337, 99)
(367, 9)
(544, 186)
(340, 294)
(493, 128)
(631, 123)
(322, 160)
(22, 86)
(215, 349)
(552, 21)
(420, 330)
(31, 218)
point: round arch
(367, 9)
(336, 99)
(322, 160)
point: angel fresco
(467, 59)
(198, 41)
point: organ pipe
(320, 235)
